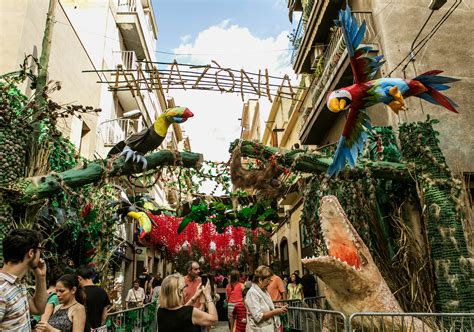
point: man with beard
(21, 254)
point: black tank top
(176, 320)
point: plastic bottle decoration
(212, 247)
(185, 246)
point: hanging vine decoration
(257, 215)
(149, 179)
(193, 179)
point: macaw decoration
(135, 146)
(366, 92)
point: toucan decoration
(141, 210)
(366, 92)
(137, 145)
(143, 220)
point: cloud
(185, 38)
(216, 123)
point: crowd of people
(253, 303)
(72, 302)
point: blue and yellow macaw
(366, 92)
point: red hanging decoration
(216, 249)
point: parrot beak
(334, 105)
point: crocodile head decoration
(352, 281)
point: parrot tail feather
(434, 85)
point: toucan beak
(187, 113)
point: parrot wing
(363, 67)
(352, 140)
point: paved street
(221, 327)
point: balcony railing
(296, 37)
(116, 130)
(135, 7)
(324, 70)
(370, 35)
(127, 59)
(127, 6)
(329, 61)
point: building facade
(123, 32)
(392, 30)
(320, 59)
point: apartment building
(281, 131)
(392, 30)
(91, 36)
(321, 60)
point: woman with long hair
(69, 315)
(295, 288)
(233, 293)
(173, 316)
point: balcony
(331, 71)
(137, 28)
(318, 16)
(113, 131)
(295, 38)
(143, 99)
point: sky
(239, 34)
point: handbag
(224, 304)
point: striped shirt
(240, 313)
(14, 309)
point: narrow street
(303, 163)
(221, 327)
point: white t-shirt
(135, 295)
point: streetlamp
(114, 132)
(437, 4)
(130, 115)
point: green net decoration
(441, 192)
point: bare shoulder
(78, 309)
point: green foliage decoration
(257, 215)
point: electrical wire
(425, 39)
(414, 40)
(173, 53)
(436, 28)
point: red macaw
(366, 92)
